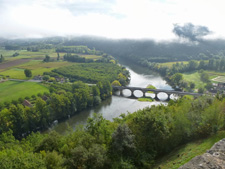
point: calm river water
(116, 105)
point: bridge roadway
(155, 91)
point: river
(117, 105)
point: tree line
(173, 74)
(78, 50)
(59, 104)
(76, 58)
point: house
(39, 77)
(221, 86)
(45, 98)
(27, 103)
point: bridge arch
(157, 95)
(138, 93)
(127, 93)
(162, 96)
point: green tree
(105, 89)
(58, 57)
(47, 58)
(116, 83)
(5, 120)
(204, 77)
(17, 158)
(18, 117)
(93, 157)
(209, 86)
(53, 160)
(96, 100)
(46, 77)
(192, 65)
(81, 97)
(28, 73)
(176, 79)
(42, 113)
(99, 128)
(202, 64)
(122, 79)
(2, 59)
(201, 90)
(192, 85)
(95, 91)
(49, 143)
(60, 105)
(123, 146)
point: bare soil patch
(219, 79)
(8, 64)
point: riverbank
(115, 106)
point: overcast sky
(152, 19)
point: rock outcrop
(212, 159)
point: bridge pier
(121, 92)
(144, 94)
(132, 93)
(168, 98)
(156, 96)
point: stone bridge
(155, 91)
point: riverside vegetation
(135, 140)
(130, 141)
(64, 99)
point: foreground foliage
(132, 141)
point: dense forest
(94, 72)
(134, 50)
(78, 50)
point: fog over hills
(130, 19)
(201, 49)
(156, 30)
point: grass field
(185, 153)
(216, 73)
(91, 56)
(194, 77)
(12, 90)
(37, 67)
(170, 64)
(14, 66)
(38, 55)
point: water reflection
(115, 106)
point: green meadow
(195, 78)
(13, 90)
(39, 55)
(170, 64)
(13, 67)
(36, 66)
(35, 62)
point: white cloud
(110, 18)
